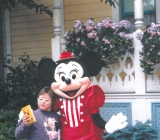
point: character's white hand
(20, 116)
(116, 122)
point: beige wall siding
(84, 10)
(31, 32)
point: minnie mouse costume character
(78, 101)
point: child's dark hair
(47, 90)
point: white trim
(132, 96)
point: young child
(47, 121)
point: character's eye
(63, 78)
(74, 73)
(73, 76)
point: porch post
(140, 81)
(57, 30)
(7, 41)
(138, 13)
(157, 11)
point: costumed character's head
(69, 77)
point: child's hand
(26, 120)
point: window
(126, 11)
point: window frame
(123, 14)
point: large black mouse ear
(92, 62)
(46, 68)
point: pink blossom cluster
(106, 37)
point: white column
(62, 19)
(138, 13)
(56, 47)
(157, 10)
(57, 17)
(140, 80)
(7, 38)
(63, 42)
(139, 110)
(115, 13)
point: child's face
(45, 102)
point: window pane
(128, 6)
(148, 5)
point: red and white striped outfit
(77, 123)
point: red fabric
(76, 120)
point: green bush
(141, 131)
(8, 121)
(22, 84)
(20, 88)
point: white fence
(123, 77)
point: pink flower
(150, 63)
(153, 33)
(106, 41)
(90, 35)
(106, 24)
(158, 33)
(77, 39)
(97, 38)
(83, 43)
(89, 28)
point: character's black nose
(67, 81)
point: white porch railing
(123, 77)
(153, 81)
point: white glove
(115, 123)
(21, 114)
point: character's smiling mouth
(71, 93)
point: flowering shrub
(150, 54)
(107, 38)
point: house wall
(83, 10)
(31, 32)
